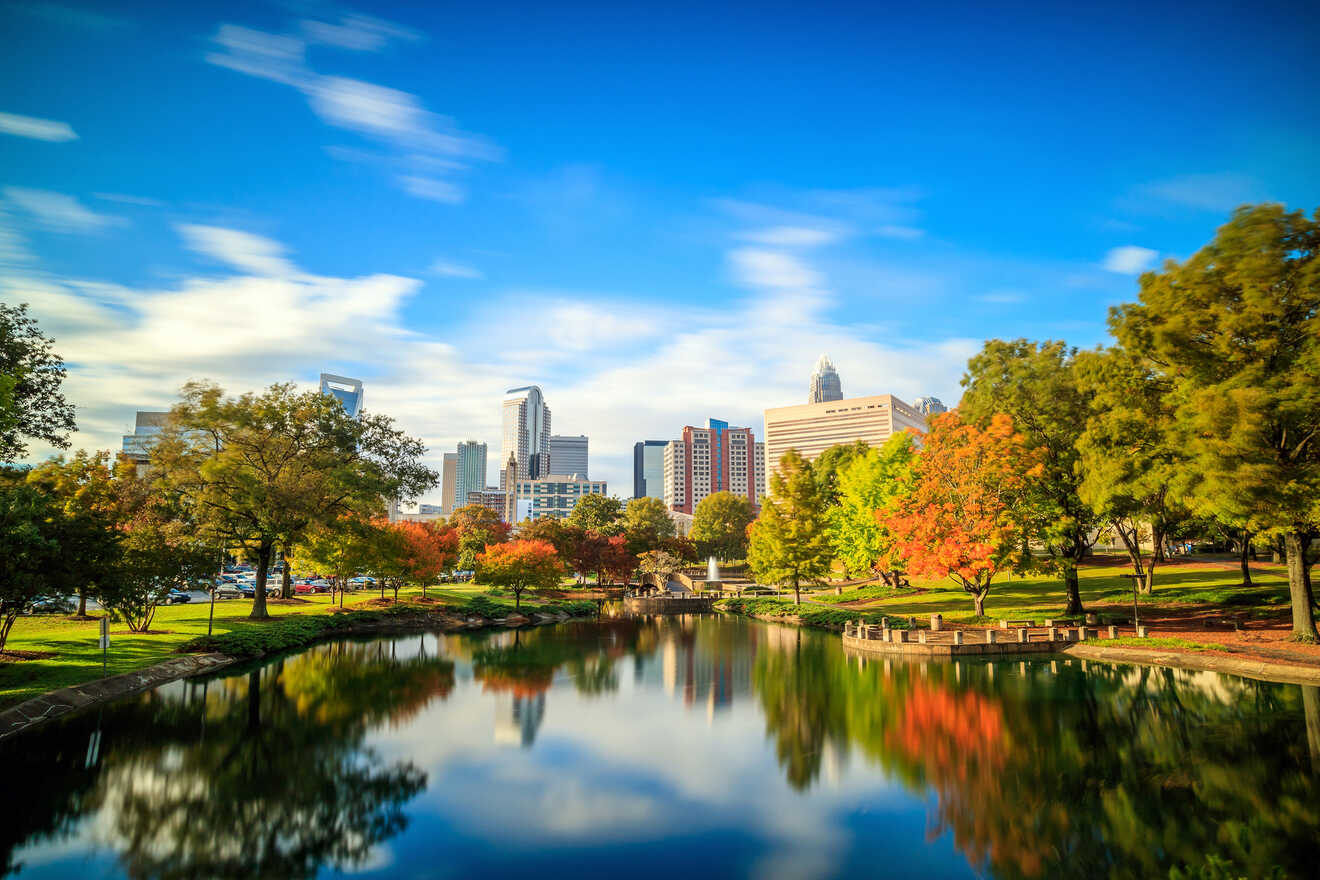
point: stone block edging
(1258, 669)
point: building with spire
(929, 406)
(510, 488)
(825, 384)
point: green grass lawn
(78, 659)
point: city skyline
(612, 220)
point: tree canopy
(32, 405)
(598, 513)
(868, 487)
(789, 542)
(521, 565)
(719, 525)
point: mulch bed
(20, 656)
(294, 601)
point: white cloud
(359, 33)
(1217, 192)
(242, 250)
(37, 129)
(58, 212)
(771, 269)
(450, 269)
(793, 236)
(1129, 259)
(424, 143)
(903, 233)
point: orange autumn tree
(430, 550)
(966, 516)
(520, 565)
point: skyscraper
(146, 433)
(929, 406)
(526, 431)
(347, 391)
(448, 483)
(568, 455)
(717, 458)
(811, 428)
(825, 384)
(470, 468)
(649, 469)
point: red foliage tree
(617, 562)
(429, 550)
(589, 553)
(966, 517)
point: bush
(811, 615)
(485, 607)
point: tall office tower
(510, 488)
(147, 428)
(811, 428)
(649, 469)
(568, 455)
(526, 431)
(825, 384)
(347, 391)
(707, 460)
(929, 406)
(448, 483)
(761, 489)
(470, 468)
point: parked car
(302, 588)
(228, 591)
(177, 597)
(52, 605)
(362, 581)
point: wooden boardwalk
(881, 639)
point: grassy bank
(74, 656)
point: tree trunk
(797, 592)
(1157, 536)
(82, 602)
(1243, 555)
(1073, 589)
(286, 584)
(1300, 588)
(259, 612)
(1132, 543)
(978, 599)
(517, 599)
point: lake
(698, 746)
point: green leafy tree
(478, 527)
(830, 465)
(602, 514)
(82, 489)
(646, 524)
(790, 541)
(1036, 385)
(160, 549)
(261, 470)
(1130, 454)
(868, 487)
(558, 532)
(341, 549)
(31, 403)
(1235, 329)
(32, 564)
(719, 525)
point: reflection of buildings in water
(517, 718)
(705, 675)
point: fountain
(712, 570)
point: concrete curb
(1258, 669)
(47, 707)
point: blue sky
(659, 214)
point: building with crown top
(825, 384)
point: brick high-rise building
(717, 458)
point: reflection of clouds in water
(639, 767)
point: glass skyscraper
(649, 469)
(347, 391)
(470, 471)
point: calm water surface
(667, 747)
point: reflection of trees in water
(267, 776)
(1112, 771)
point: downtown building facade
(811, 428)
(554, 495)
(525, 420)
(568, 455)
(716, 458)
(448, 483)
(148, 425)
(649, 469)
(469, 471)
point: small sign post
(104, 643)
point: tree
(831, 463)
(342, 549)
(789, 542)
(659, 562)
(719, 525)
(520, 565)
(647, 523)
(1236, 331)
(478, 527)
(31, 560)
(598, 513)
(589, 554)
(82, 489)
(431, 549)
(1129, 453)
(868, 488)
(31, 402)
(968, 511)
(617, 561)
(262, 470)
(558, 532)
(1036, 385)
(160, 549)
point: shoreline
(52, 705)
